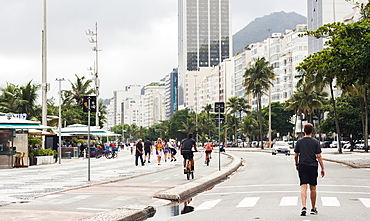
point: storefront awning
(23, 126)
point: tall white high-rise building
(320, 12)
(154, 104)
(205, 38)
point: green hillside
(256, 30)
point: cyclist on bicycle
(187, 152)
(209, 148)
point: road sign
(92, 107)
(219, 107)
(221, 117)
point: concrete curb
(183, 191)
(130, 213)
(352, 165)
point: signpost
(89, 105)
(219, 108)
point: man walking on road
(308, 152)
(147, 149)
(139, 153)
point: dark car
(325, 144)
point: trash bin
(68, 155)
(75, 152)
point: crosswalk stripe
(365, 201)
(289, 201)
(330, 201)
(248, 202)
(208, 204)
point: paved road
(267, 188)
(85, 202)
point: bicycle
(208, 158)
(189, 172)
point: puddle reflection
(166, 212)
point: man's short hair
(190, 135)
(147, 138)
(308, 128)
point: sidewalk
(355, 159)
(132, 196)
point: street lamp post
(269, 30)
(196, 108)
(44, 75)
(60, 121)
(95, 40)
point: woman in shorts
(159, 150)
(209, 148)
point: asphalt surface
(89, 201)
(267, 188)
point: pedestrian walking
(307, 156)
(159, 150)
(132, 147)
(147, 149)
(173, 151)
(139, 153)
(165, 149)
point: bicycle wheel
(98, 155)
(192, 175)
(108, 155)
(188, 174)
(208, 162)
(114, 155)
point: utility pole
(97, 81)
(44, 76)
(60, 120)
(269, 30)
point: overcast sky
(138, 38)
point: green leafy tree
(280, 118)
(79, 89)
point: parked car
(325, 144)
(281, 147)
(290, 143)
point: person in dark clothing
(186, 150)
(139, 153)
(307, 153)
(147, 149)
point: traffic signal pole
(219, 139)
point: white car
(281, 147)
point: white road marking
(330, 201)
(365, 201)
(52, 196)
(161, 202)
(288, 160)
(155, 181)
(176, 175)
(166, 178)
(248, 202)
(94, 209)
(82, 197)
(208, 204)
(289, 201)
(252, 192)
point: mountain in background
(256, 30)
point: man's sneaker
(314, 211)
(304, 211)
(144, 161)
(148, 161)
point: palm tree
(250, 127)
(232, 105)
(79, 89)
(15, 99)
(243, 106)
(257, 79)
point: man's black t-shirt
(307, 147)
(187, 144)
(147, 145)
